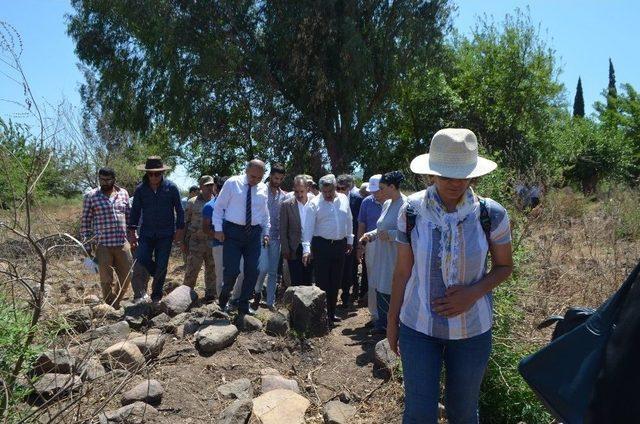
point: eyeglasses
(105, 179)
(341, 188)
(155, 174)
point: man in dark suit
(292, 214)
(345, 185)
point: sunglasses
(341, 188)
(154, 174)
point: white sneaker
(143, 299)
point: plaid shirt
(106, 218)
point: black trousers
(328, 266)
(350, 278)
(300, 274)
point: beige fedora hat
(453, 153)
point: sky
(584, 34)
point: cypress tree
(578, 102)
(612, 92)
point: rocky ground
(190, 362)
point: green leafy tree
(612, 91)
(578, 101)
(506, 77)
(236, 79)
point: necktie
(247, 222)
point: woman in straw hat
(441, 307)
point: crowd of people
(419, 263)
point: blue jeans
(382, 303)
(269, 258)
(153, 253)
(465, 361)
(239, 243)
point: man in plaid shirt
(105, 216)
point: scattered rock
(179, 300)
(308, 308)
(55, 385)
(159, 321)
(136, 413)
(138, 309)
(175, 322)
(91, 300)
(105, 336)
(215, 337)
(79, 320)
(55, 361)
(261, 345)
(170, 285)
(277, 324)
(269, 371)
(150, 345)
(123, 355)
(188, 328)
(136, 322)
(273, 382)
(104, 311)
(248, 323)
(237, 389)
(149, 391)
(280, 407)
(91, 369)
(211, 310)
(384, 358)
(336, 412)
(238, 412)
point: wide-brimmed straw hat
(153, 163)
(453, 153)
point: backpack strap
(485, 219)
(410, 217)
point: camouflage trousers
(198, 253)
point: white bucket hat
(374, 183)
(453, 153)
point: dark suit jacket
(290, 227)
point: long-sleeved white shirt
(231, 204)
(329, 220)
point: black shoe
(222, 302)
(369, 324)
(378, 332)
(256, 301)
(335, 319)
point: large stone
(90, 300)
(150, 345)
(91, 369)
(308, 308)
(216, 337)
(280, 407)
(336, 412)
(149, 391)
(175, 322)
(238, 412)
(138, 309)
(123, 355)
(237, 389)
(179, 300)
(136, 413)
(277, 325)
(384, 358)
(79, 320)
(159, 321)
(55, 361)
(273, 382)
(103, 337)
(104, 311)
(191, 326)
(55, 385)
(211, 310)
(246, 322)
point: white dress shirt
(302, 210)
(232, 200)
(329, 220)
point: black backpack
(571, 319)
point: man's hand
(348, 249)
(306, 259)
(456, 300)
(364, 239)
(265, 241)
(392, 338)
(133, 239)
(219, 235)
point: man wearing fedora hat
(195, 242)
(158, 200)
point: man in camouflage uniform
(196, 241)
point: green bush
(505, 397)
(15, 323)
